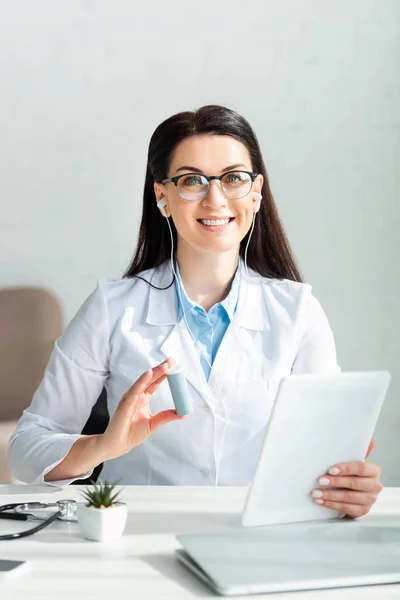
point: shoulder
(110, 301)
(112, 294)
(297, 301)
(117, 290)
(284, 294)
(292, 303)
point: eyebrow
(196, 170)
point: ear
(257, 197)
(257, 202)
(160, 194)
(161, 205)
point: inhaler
(179, 391)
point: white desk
(141, 564)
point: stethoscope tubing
(21, 534)
(25, 516)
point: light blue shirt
(208, 328)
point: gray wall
(83, 84)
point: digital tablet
(317, 421)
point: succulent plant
(101, 496)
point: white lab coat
(126, 327)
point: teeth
(214, 223)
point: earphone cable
(236, 317)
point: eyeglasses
(192, 186)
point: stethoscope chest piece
(42, 510)
(47, 512)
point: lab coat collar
(162, 304)
(251, 310)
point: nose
(215, 196)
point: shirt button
(206, 408)
(205, 472)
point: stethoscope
(22, 511)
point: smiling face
(214, 223)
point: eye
(233, 177)
(192, 180)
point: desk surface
(141, 564)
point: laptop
(317, 421)
(302, 556)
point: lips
(216, 222)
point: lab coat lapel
(232, 357)
(181, 346)
(240, 355)
(178, 343)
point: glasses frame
(175, 181)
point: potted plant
(102, 518)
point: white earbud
(161, 203)
(257, 204)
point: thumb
(370, 447)
(162, 418)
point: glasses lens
(236, 184)
(192, 187)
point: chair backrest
(30, 322)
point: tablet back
(317, 422)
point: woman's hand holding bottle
(132, 422)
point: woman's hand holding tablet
(360, 483)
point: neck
(207, 277)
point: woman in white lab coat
(254, 321)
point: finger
(362, 484)
(153, 387)
(344, 496)
(162, 418)
(159, 375)
(171, 362)
(146, 379)
(140, 384)
(370, 447)
(359, 468)
(148, 382)
(130, 401)
(351, 510)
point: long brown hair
(269, 252)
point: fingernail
(317, 494)
(319, 502)
(323, 481)
(334, 471)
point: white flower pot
(102, 524)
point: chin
(216, 248)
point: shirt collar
(161, 302)
(229, 303)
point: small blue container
(179, 390)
